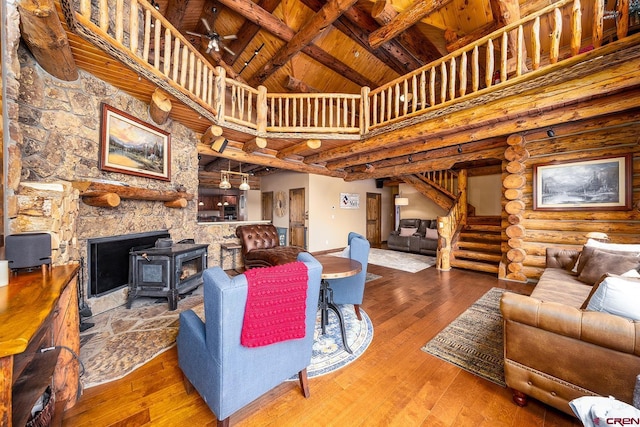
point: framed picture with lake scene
(602, 183)
(129, 145)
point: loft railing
(487, 62)
(444, 180)
(137, 34)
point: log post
(160, 106)
(211, 134)
(46, 39)
(262, 110)
(220, 93)
(255, 144)
(513, 182)
(443, 261)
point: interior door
(297, 208)
(267, 206)
(374, 223)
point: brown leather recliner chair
(261, 246)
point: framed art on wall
(130, 146)
(602, 183)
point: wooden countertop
(27, 301)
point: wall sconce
(551, 133)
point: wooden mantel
(95, 193)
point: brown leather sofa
(261, 246)
(554, 351)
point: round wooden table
(334, 267)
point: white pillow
(620, 247)
(617, 295)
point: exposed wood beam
(313, 144)
(175, 12)
(404, 20)
(246, 33)
(358, 25)
(454, 42)
(270, 23)
(427, 165)
(410, 154)
(268, 161)
(297, 85)
(427, 190)
(309, 31)
(42, 31)
(383, 12)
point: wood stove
(166, 271)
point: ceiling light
(224, 181)
(244, 186)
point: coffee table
(334, 268)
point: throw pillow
(431, 233)
(617, 295)
(601, 262)
(614, 248)
(406, 232)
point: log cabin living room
(511, 128)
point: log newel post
(262, 110)
(443, 261)
(365, 113)
(219, 94)
(462, 191)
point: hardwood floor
(393, 384)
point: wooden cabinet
(39, 341)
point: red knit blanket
(276, 304)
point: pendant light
(244, 186)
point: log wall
(528, 232)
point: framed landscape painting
(602, 183)
(131, 146)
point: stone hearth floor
(123, 339)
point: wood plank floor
(393, 384)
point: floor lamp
(399, 201)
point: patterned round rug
(329, 354)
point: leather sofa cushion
(274, 256)
(600, 262)
(561, 286)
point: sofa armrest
(561, 258)
(601, 329)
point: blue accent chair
(350, 290)
(226, 374)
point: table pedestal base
(326, 304)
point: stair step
(478, 256)
(474, 265)
(483, 227)
(464, 235)
(492, 247)
(489, 220)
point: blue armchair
(228, 375)
(350, 290)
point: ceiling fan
(215, 40)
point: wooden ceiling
(335, 46)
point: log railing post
(365, 113)
(261, 110)
(219, 94)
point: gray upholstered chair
(350, 290)
(227, 374)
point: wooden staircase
(478, 245)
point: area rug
(125, 339)
(404, 261)
(473, 341)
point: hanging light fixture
(224, 181)
(244, 186)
